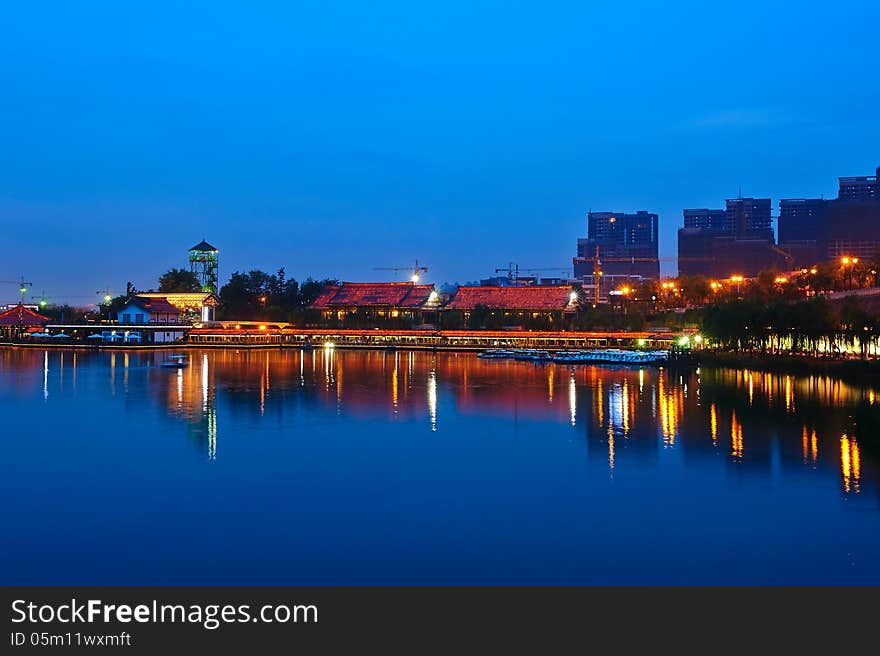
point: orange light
(813, 271)
(781, 280)
(262, 327)
(844, 260)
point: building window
(138, 318)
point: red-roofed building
(511, 305)
(17, 320)
(352, 302)
(140, 311)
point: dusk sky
(335, 137)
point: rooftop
(154, 305)
(185, 300)
(376, 294)
(512, 298)
(22, 316)
(204, 246)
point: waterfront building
(195, 307)
(140, 311)
(20, 320)
(512, 305)
(401, 301)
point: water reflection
(630, 416)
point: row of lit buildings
(738, 239)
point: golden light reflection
(394, 385)
(610, 450)
(850, 464)
(671, 404)
(46, 375)
(736, 437)
(432, 399)
(713, 424)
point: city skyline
(335, 141)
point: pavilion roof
(203, 246)
(536, 297)
(154, 305)
(184, 300)
(22, 316)
(375, 294)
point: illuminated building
(19, 320)
(515, 305)
(405, 302)
(140, 311)
(194, 307)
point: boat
(495, 354)
(588, 356)
(610, 356)
(175, 362)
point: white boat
(610, 356)
(176, 362)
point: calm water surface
(332, 467)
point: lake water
(334, 467)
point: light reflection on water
(426, 445)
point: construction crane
(512, 271)
(416, 271)
(106, 297)
(22, 286)
(566, 271)
(41, 299)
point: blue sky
(332, 138)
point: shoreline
(855, 371)
(858, 371)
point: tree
(310, 289)
(694, 289)
(179, 280)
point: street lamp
(736, 279)
(849, 262)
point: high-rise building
(621, 247)
(802, 230)
(749, 218)
(815, 230)
(737, 240)
(705, 219)
(626, 245)
(865, 187)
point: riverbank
(855, 371)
